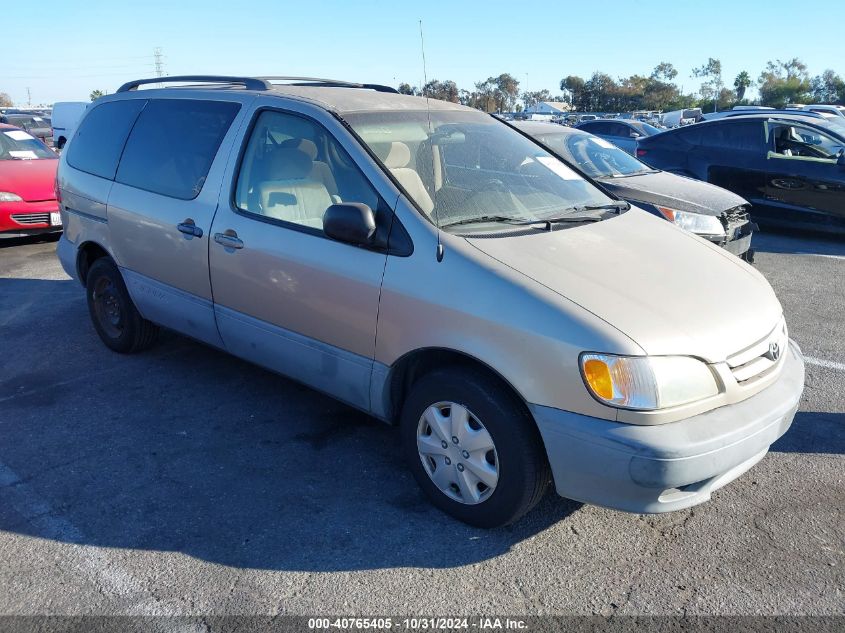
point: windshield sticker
(602, 142)
(22, 153)
(558, 168)
(18, 135)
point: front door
(804, 183)
(285, 295)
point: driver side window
(796, 141)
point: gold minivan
(434, 267)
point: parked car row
(37, 125)
(438, 269)
(789, 166)
(706, 210)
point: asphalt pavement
(185, 481)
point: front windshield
(464, 166)
(594, 156)
(20, 145)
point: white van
(66, 114)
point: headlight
(647, 382)
(694, 222)
(8, 196)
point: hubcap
(457, 452)
(107, 307)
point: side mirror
(350, 222)
(840, 158)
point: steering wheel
(495, 184)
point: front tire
(116, 319)
(473, 447)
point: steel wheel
(458, 453)
(107, 307)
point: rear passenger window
(736, 135)
(173, 144)
(100, 138)
(293, 170)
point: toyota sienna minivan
(434, 267)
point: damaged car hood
(670, 291)
(677, 192)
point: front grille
(735, 221)
(761, 358)
(31, 218)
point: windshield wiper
(502, 219)
(636, 173)
(616, 205)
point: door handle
(189, 228)
(229, 239)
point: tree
(664, 71)
(784, 82)
(5, 100)
(827, 88)
(573, 87)
(507, 91)
(741, 84)
(443, 90)
(407, 89)
(530, 99)
(484, 97)
(711, 87)
(96, 94)
(601, 93)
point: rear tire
(116, 319)
(486, 465)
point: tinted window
(173, 144)
(737, 135)
(690, 135)
(98, 142)
(597, 127)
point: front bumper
(667, 467)
(28, 218)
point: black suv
(790, 167)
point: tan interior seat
(292, 195)
(396, 160)
(319, 170)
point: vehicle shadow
(9, 242)
(792, 242)
(186, 449)
(814, 432)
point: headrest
(398, 156)
(288, 163)
(303, 145)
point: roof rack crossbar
(250, 83)
(330, 83)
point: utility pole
(159, 65)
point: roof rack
(250, 83)
(330, 83)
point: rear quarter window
(100, 138)
(172, 145)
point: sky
(103, 44)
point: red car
(27, 179)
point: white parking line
(94, 562)
(829, 364)
(825, 255)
